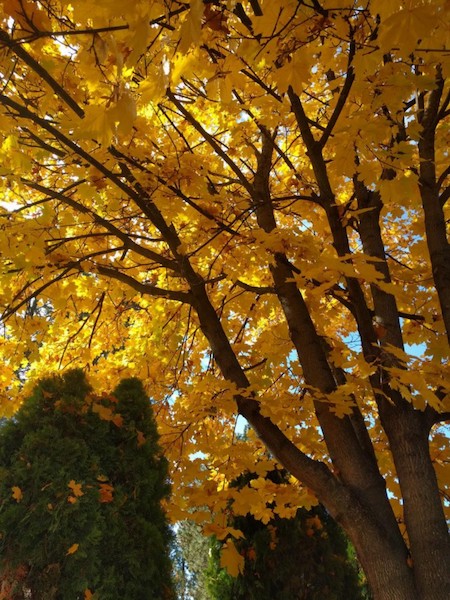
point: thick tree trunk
(388, 574)
(382, 553)
(423, 512)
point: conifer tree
(193, 550)
(81, 485)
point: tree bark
(423, 512)
(435, 225)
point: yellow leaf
(124, 113)
(231, 560)
(295, 72)
(225, 89)
(139, 41)
(73, 548)
(406, 26)
(88, 595)
(182, 65)
(192, 26)
(98, 124)
(76, 488)
(222, 532)
(140, 438)
(117, 420)
(105, 413)
(17, 493)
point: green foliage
(81, 486)
(304, 558)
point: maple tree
(244, 204)
(81, 484)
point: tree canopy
(244, 204)
(81, 484)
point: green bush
(81, 484)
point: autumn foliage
(245, 204)
(81, 482)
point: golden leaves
(27, 15)
(105, 122)
(234, 86)
(76, 491)
(124, 113)
(17, 493)
(295, 72)
(222, 532)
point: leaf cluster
(307, 557)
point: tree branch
(259, 290)
(39, 70)
(143, 288)
(210, 139)
(349, 79)
(128, 243)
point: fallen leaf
(106, 492)
(73, 548)
(140, 438)
(76, 488)
(17, 493)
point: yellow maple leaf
(406, 26)
(105, 413)
(17, 493)
(222, 532)
(191, 27)
(231, 560)
(73, 548)
(76, 488)
(124, 113)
